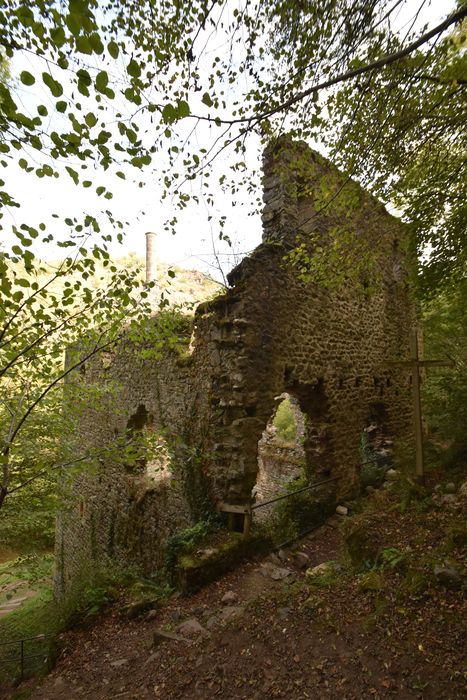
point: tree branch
(348, 75)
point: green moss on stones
(220, 553)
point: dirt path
(274, 635)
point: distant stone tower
(151, 266)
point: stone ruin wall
(269, 333)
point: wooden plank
(422, 363)
(436, 363)
(233, 508)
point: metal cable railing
(293, 493)
(21, 659)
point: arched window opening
(147, 451)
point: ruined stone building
(274, 330)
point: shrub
(284, 422)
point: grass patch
(27, 575)
(36, 616)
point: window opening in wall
(281, 454)
(147, 448)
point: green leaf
(207, 100)
(96, 43)
(27, 78)
(113, 49)
(83, 45)
(57, 35)
(53, 85)
(61, 106)
(169, 114)
(73, 174)
(74, 22)
(102, 81)
(90, 119)
(84, 77)
(133, 69)
(183, 109)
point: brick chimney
(151, 263)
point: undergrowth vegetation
(284, 422)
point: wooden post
(247, 524)
(417, 407)
(415, 363)
(235, 509)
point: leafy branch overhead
(171, 87)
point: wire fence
(24, 657)
(262, 511)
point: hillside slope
(382, 620)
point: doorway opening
(376, 448)
(281, 452)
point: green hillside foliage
(445, 388)
(284, 422)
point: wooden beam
(233, 508)
(423, 363)
(417, 408)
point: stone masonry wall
(273, 331)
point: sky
(137, 200)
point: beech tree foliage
(173, 85)
(192, 91)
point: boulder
(301, 560)
(229, 598)
(161, 635)
(448, 576)
(392, 475)
(371, 581)
(320, 569)
(276, 573)
(282, 556)
(449, 499)
(191, 628)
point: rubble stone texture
(271, 332)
